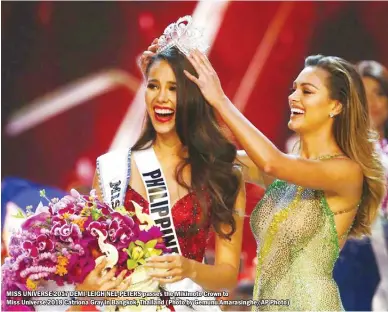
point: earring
(331, 115)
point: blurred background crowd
(71, 91)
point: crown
(184, 35)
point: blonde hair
(354, 136)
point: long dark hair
(214, 177)
(379, 73)
(353, 135)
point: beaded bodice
(297, 248)
(186, 212)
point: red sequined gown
(185, 213)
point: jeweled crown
(184, 35)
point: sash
(157, 195)
(114, 169)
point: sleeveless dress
(185, 213)
(297, 248)
(191, 226)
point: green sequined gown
(297, 248)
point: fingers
(170, 273)
(99, 268)
(205, 61)
(154, 46)
(192, 78)
(144, 59)
(197, 64)
(169, 280)
(160, 265)
(125, 284)
(166, 258)
(169, 276)
(108, 276)
(147, 55)
(115, 283)
(121, 276)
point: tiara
(184, 35)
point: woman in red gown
(199, 175)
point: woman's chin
(292, 125)
(164, 128)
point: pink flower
(122, 229)
(105, 210)
(153, 233)
(30, 247)
(79, 268)
(70, 232)
(67, 208)
(44, 243)
(57, 224)
(36, 221)
(74, 193)
(114, 230)
(98, 226)
(123, 219)
(56, 231)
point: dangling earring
(331, 115)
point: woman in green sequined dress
(329, 191)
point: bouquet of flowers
(63, 241)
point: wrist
(221, 102)
(192, 269)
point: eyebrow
(307, 84)
(156, 80)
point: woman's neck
(318, 144)
(168, 144)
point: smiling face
(161, 97)
(310, 102)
